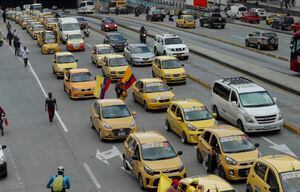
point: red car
(108, 24)
(296, 26)
(250, 17)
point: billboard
(197, 3)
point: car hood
(118, 42)
(101, 56)
(84, 85)
(71, 41)
(161, 95)
(203, 123)
(120, 68)
(110, 24)
(244, 156)
(176, 46)
(143, 55)
(67, 65)
(162, 165)
(262, 111)
(123, 122)
(174, 71)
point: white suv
(246, 105)
(3, 165)
(169, 44)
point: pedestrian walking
(286, 4)
(293, 3)
(9, 37)
(25, 53)
(4, 16)
(50, 107)
(17, 46)
(8, 26)
(3, 120)
(15, 34)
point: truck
(86, 7)
(295, 52)
(213, 20)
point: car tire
(223, 26)
(258, 46)
(65, 90)
(141, 183)
(100, 135)
(240, 125)
(93, 61)
(276, 47)
(221, 172)
(53, 71)
(199, 156)
(165, 53)
(91, 123)
(70, 94)
(183, 138)
(247, 43)
(216, 111)
(134, 98)
(146, 106)
(167, 125)
(103, 73)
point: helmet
(60, 169)
(195, 182)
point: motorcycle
(143, 37)
(86, 33)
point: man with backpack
(59, 182)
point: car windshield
(158, 151)
(116, 62)
(236, 144)
(216, 15)
(70, 26)
(141, 49)
(269, 35)
(74, 36)
(156, 87)
(242, 9)
(49, 38)
(256, 99)
(171, 64)
(65, 59)
(38, 27)
(115, 111)
(105, 51)
(116, 38)
(108, 21)
(81, 77)
(90, 3)
(81, 19)
(290, 181)
(171, 41)
(196, 114)
(189, 18)
(157, 11)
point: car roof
(80, 70)
(167, 35)
(113, 33)
(110, 102)
(212, 182)
(241, 84)
(63, 53)
(282, 163)
(112, 56)
(188, 103)
(165, 57)
(225, 130)
(103, 46)
(138, 45)
(149, 137)
(151, 80)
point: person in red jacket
(3, 120)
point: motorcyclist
(59, 181)
(143, 34)
(86, 31)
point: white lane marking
(13, 162)
(44, 92)
(280, 147)
(210, 30)
(237, 37)
(92, 176)
(89, 45)
(109, 154)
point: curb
(207, 86)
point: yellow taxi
(152, 93)
(50, 23)
(25, 22)
(188, 118)
(79, 83)
(99, 52)
(169, 69)
(62, 62)
(147, 154)
(271, 18)
(30, 24)
(112, 119)
(205, 183)
(75, 42)
(43, 16)
(18, 16)
(235, 151)
(114, 66)
(186, 21)
(36, 30)
(49, 42)
(274, 173)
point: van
(246, 105)
(68, 25)
(86, 7)
(236, 11)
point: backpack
(58, 183)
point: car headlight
(148, 170)
(153, 100)
(168, 75)
(247, 117)
(133, 124)
(106, 25)
(280, 117)
(113, 72)
(106, 126)
(181, 167)
(75, 89)
(230, 161)
(191, 127)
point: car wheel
(221, 172)
(134, 97)
(165, 53)
(167, 126)
(146, 106)
(223, 26)
(186, 57)
(240, 125)
(216, 111)
(258, 46)
(247, 43)
(70, 94)
(131, 62)
(199, 156)
(93, 61)
(91, 123)
(101, 136)
(155, 52)
(275, 47)
(141, 183)
(125, 164)
(183, 138)
(103, 73)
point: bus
(36, 6)
(295, 52)
(86, 7)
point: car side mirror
(275, 99)
(179, 153)
(133, 113)
(135, 157)
(3, 146)
(256, 145)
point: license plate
(179, 54)
(121, 133)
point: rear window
(90, 3)
(269, 35)
(242, 9)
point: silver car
(262, 40)
(138, 54)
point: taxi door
(40, 39)
(179, 21)
(129, 146)
(140, 92)
(203, 144)
(155, 68)
(96, 116)
(67, 82)
(271, 184)
(171, 116)
(179, 122)
(257, 177)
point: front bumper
(51, 49)
(178, 54)
(189, 25)
(142, 62)
(159, 105)
(179, 79)
(72, 47)
(82, 94)
(236, 172)
(255, 127)
(118, 133)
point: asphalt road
(38, 148)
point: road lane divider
(286, 125)
(91, 175)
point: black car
(212, 20)
(3, 164)
(104, 10)
(82, 22)
(116, 40)
(155, 15)
(283, 23)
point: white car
(236, 11)
(170, 44)
(3, 164)
(262, 13)
(245, 105)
